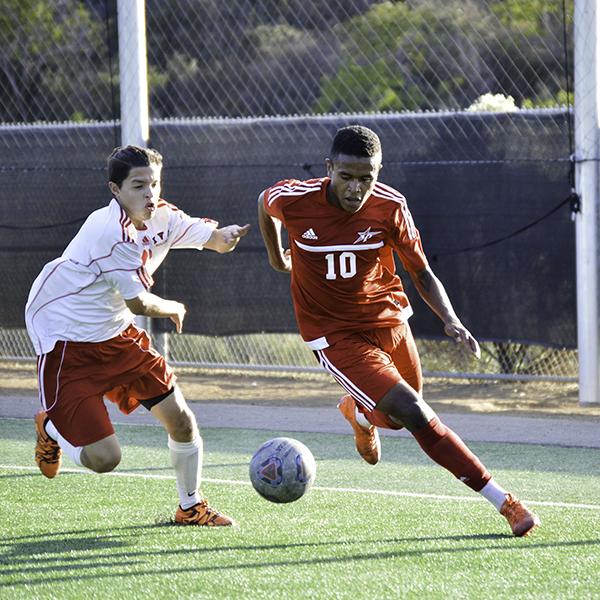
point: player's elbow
(137, 305)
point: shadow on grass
(58, 553)
(20, 475)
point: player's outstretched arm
(270, 228)
(432, 291)
(225, 239)
(150, 305)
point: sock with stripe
(73, 452)
(443, 446)
(186, 458)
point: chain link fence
(248, 60)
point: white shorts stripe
(62, 358)
(41, 377)
(350, 387)
(41, 365)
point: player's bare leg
(101, 456)
(186, 449)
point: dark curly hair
(355, 140)
(125, 158)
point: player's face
(139, 193)
(352, 180)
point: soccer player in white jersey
(80, 318)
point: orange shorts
(74, 377)
(368, 364)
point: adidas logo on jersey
(310, 234)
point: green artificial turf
(403, 529)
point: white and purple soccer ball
(282, 470)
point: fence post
(587, 138)
(133, 75)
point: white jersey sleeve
(186, 231)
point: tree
(52, 62)
(430, 55)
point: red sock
(379, 419)
(443, 446)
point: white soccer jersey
(81, 296)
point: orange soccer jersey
(343, 273)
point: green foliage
(54, 55)
(561, 99)
(243, 58)
(436, 56)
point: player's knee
(406, 405)
(103, 462)
(183, 426)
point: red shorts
(74, 377)
(370, 363)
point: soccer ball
(282, 470)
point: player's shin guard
(443, 446)
(186, 458)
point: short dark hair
(124, 158)
(355, 140)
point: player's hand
(232, 234)
(461, 335)
(284, 264)
(178, 316)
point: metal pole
(587, 122)
(133, 74)
(133, 71)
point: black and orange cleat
(202, 514)
(521, 520)
(367, 440)
(48, 454)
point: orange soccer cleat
(521, 520)
(48, 454)
(367, 440)
(202, 514)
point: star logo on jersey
(365, 236)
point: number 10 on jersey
(344, 266)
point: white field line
(318, 487)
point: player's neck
(139, 225)
(331, 197)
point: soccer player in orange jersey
(80, 318)
(352, 310)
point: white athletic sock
(186, 458)
(492, 492)
(361, 419)
(73, 452)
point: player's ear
(329, 166)
(113, 187)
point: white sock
(361, 419)
(492, 492)
(73, 452)
(186, 458)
